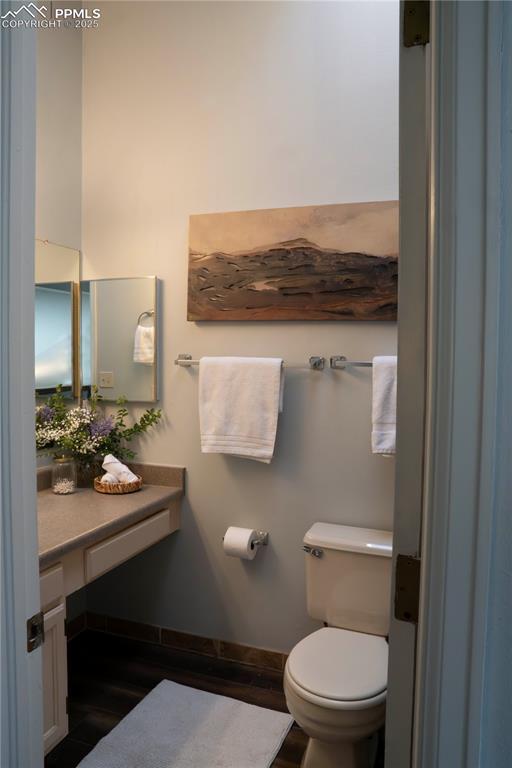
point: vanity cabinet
(84, 556)
(55, 677)
(117, 549)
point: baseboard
(170, 638)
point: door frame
(463, 337)
(468, 333)
(21, 721)
(414, 148)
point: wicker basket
(117, 488)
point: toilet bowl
(335, 685)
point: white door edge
(20, 689)
(465, 368)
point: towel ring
(147, 313)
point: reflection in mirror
(57, 274)
(119, 337)
(54, 337)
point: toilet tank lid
(347, 538)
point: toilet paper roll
(239, 542)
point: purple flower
(102, 427)
(46, 413)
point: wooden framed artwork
(324, 262)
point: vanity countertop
(85, 517)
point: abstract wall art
(326, 262)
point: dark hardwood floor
(109, 675)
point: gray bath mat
(178, 727)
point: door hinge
(35, 631)
(416, 22)
(407, 588)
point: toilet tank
(348, 577)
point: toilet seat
(339, 669)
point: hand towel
(384, 405)
(113, 466)
(144, 345)
(108, 478)
(239, 403)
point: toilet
(335, 679)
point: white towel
(113, 466)
(108, 478)
(384, 405)
(144, 345)
(239, 403)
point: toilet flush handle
(313, 551)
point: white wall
(202, 107)
(59, 129)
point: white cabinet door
(55, 677)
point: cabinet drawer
(51, 585)
(111, 552)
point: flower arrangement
(85, 432)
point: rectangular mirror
(119, 339)
(57, 276)
(54, 337)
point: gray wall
(202, 107)
(59, 136)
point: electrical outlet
(106, 379)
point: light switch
(106, 379)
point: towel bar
(315, 363)
(339, 363)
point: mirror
(57, 275)
(54, 337)
(119, 322)
(101, 332)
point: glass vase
(87, 471)
(63, 475)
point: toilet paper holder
(261, 541)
